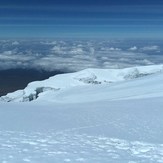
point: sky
(81, 18)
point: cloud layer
(74, 55)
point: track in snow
(19, 147)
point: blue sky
(82, 18)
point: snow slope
(93, 116)
(51, 88)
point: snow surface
(89, 80)
(92, 116)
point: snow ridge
(85, 77)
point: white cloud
(74, 55)
(150, 48)
(15, 43)
(133, 48)
(77, 51)
(57, 49)
(7, 52)
(110, 49)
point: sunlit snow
(91, 116)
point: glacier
(92, 116)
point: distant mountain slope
(94, 84)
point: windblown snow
(92, 116)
